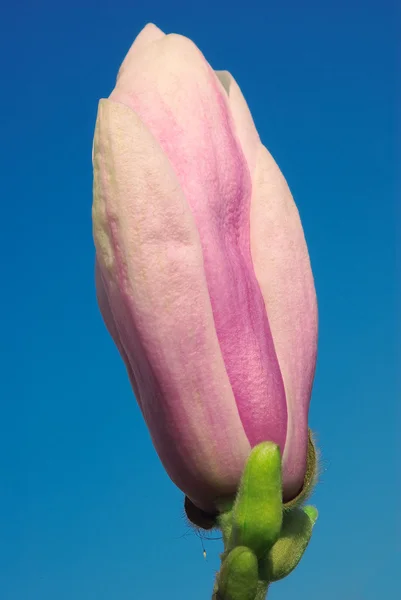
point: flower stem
(261, 594)
(263, 541)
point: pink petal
(152, 268)
(281, 261)
(181, 101)
(282, 267)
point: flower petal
(283, 270)
(281, 262)
(105, 309)
(181, 101)
(152, 268)
(243, 122)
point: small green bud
(286, 553)
(238, 578)
(258, 510)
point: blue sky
(86, 510)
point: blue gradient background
(86, 510)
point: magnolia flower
(202, 271)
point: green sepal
(310, 475)
(258, 510)
(312, 513)
(198, 517)
(238, 577)
(286, 553)
(225, 523)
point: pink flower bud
(203, 275)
